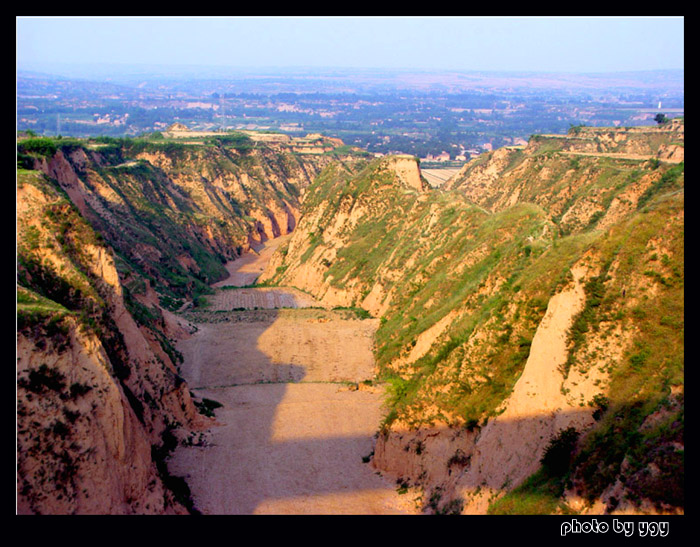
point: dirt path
(299, 412)
(620, 156)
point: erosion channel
(299, 413)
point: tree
(660, 118)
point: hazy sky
(552, 44)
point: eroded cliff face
(515, 314)
(177, 213)
(81, 447)
(112, 235)
(96, 391)
(407, 172)
(267, 184)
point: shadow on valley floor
(292, 437)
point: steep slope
(175, 212)
(513, 306)
(96, 393)
(111, 235)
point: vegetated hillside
(111, 235)
(175, 212)
(531, 319)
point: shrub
(601, 404)
(557, 455)
(77, 389)
(452, 507)
(42, 379)
(207, 406)
(42, 146)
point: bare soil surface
(299, 414)
(246, 269)
(278, 346)
(260, 297)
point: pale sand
(292, 435)
(289, 449)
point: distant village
(438, 128)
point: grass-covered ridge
(468, 272)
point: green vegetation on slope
(483, 279)
(175, 212)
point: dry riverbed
(300, 409)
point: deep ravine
(299, 412)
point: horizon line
(42, 66)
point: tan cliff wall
(81, 448)
(308, 275)
(476, 465)
(272, 215)
(509, 448)
(85, 440)
(407, 171)
(269, 216)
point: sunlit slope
(461, 280)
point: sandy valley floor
(297, 419)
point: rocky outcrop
(407, 172)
